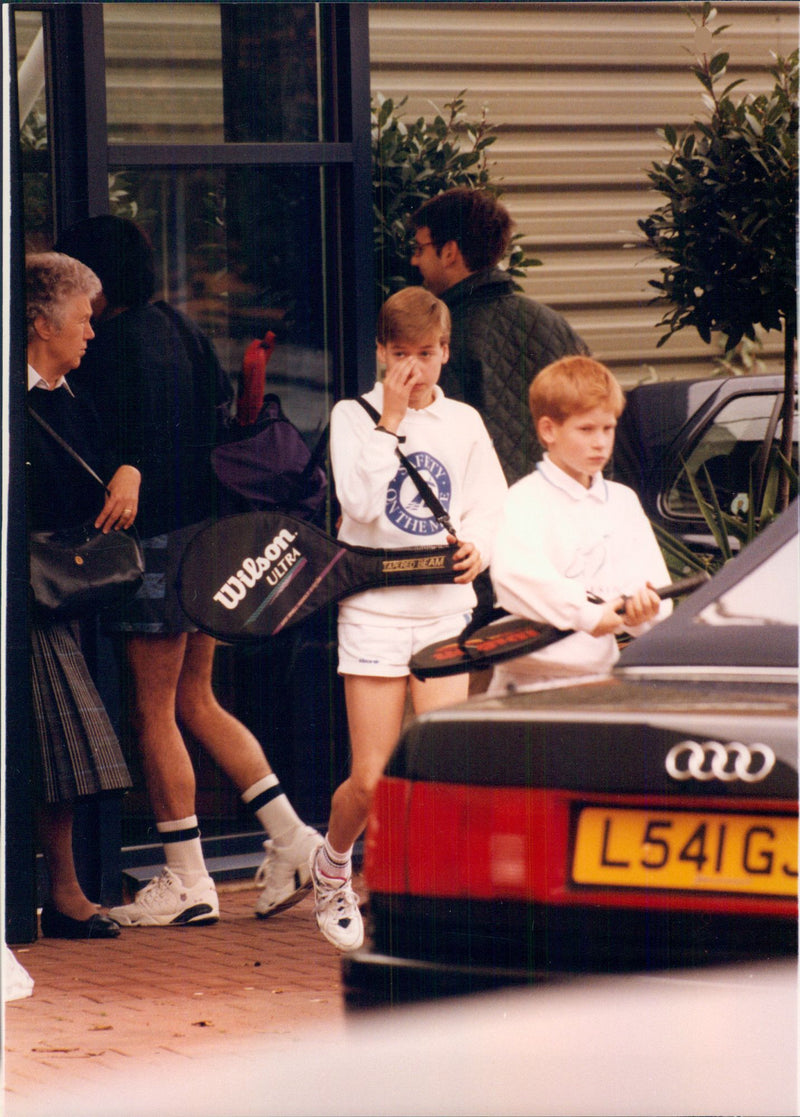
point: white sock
(183, 850)
(272, 808)
(332, 864)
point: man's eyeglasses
(417, 246)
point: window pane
(33, 131)
(240, 250)
(210, 73)
(163, 73)
(727, 452)
(271, 73)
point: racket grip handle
(674, 589)
(683, 585)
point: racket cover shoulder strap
(426, 493)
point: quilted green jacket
(500, 340)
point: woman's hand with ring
(122, 500)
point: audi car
(644, 818)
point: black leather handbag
(80, 570)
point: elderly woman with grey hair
(78, 752)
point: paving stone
(160, 994)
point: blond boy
(381, 629)
(569, 534)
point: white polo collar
(37, 381)
(433, 408)
(555, 476)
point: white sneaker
(336, 909)
(166, 902)
(284, 874)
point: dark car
(729, 426)
(643, 818)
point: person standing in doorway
(157, 379)
(78, 756)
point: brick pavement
(245, 1019)
(159, 995)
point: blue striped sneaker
(167, 902)
(284, 874)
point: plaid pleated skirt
(79, 751)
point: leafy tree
(729, 226)
(414, 161)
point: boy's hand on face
(398, 384)
(467, 560)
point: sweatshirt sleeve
(651, 567)
(485, 491)
(363, 461)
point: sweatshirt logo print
(405, 508)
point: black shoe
(56, 925)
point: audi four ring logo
(712, 760)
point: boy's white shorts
(386, 650)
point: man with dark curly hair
(500, 338)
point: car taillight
(456, 840)
(386, 839)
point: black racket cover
(251, 576)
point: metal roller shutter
(576, 92)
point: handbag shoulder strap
(66, 447)
(426, 493)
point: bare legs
(374, 717)
(375, 709)
(172, 684)
(55, 837)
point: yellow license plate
(694, 851)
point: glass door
(237, 137)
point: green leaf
(679, 558)
(711, 512)
(718, 62)
(766, 512)
(703, 77)
(790, 470)
(726, 91)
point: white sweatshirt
(560, 541)
(381, 508)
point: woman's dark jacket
(60, 492)
(159, 388)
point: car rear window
(767, 595)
